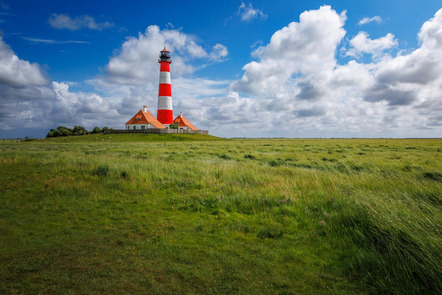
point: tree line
(77, 130)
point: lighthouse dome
(164, 55)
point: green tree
(173, 126)
(96, 130)
(78, 130)
(64, 130)
(54, 133)
(105, 129)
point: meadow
(192, 214)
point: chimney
(181, 114)
(144, 108)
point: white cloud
(25, 93)
(414, 78)
(219, 52)
(64, 21)
(195, 50)
(318, 96)
(248, 13)
(366, 20)
(361, 44)
(83, 108)
(135, 63)
(18, 72)
(306, 47)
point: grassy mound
(135, 137)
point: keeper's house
(143, 120)
(183, 123)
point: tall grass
(139, 214)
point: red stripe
(164, 67)
(165, 116)
(165, 90)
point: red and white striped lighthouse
(165, 112)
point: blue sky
(240, 68)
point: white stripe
(164, 102)
(164, 78)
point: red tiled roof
(183, 122)
(145, 118)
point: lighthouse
(165, 112)
(145, 122)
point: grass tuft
(436, 176)
(102, 170)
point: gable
(145, 118)
(183, 122)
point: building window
(135, 127)
(143, 127)
(128, 127)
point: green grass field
(152, 214)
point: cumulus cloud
(195, 50)
(310, 112)
(361, 44)
(248, 13)
(83, 108)
(415, 77)
(307, 47)
(64, 21)
(18, 72)
(366, 20)
(30, 100)
(135, 63)
(219, 52)
(296, 74)
(25, 93)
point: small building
(143, 120)
(183, 123)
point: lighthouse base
(165, 116)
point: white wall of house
(138, 126)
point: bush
(96, 130)
(78, 130)
(54, 133)
(173, 126)
(64, 130)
